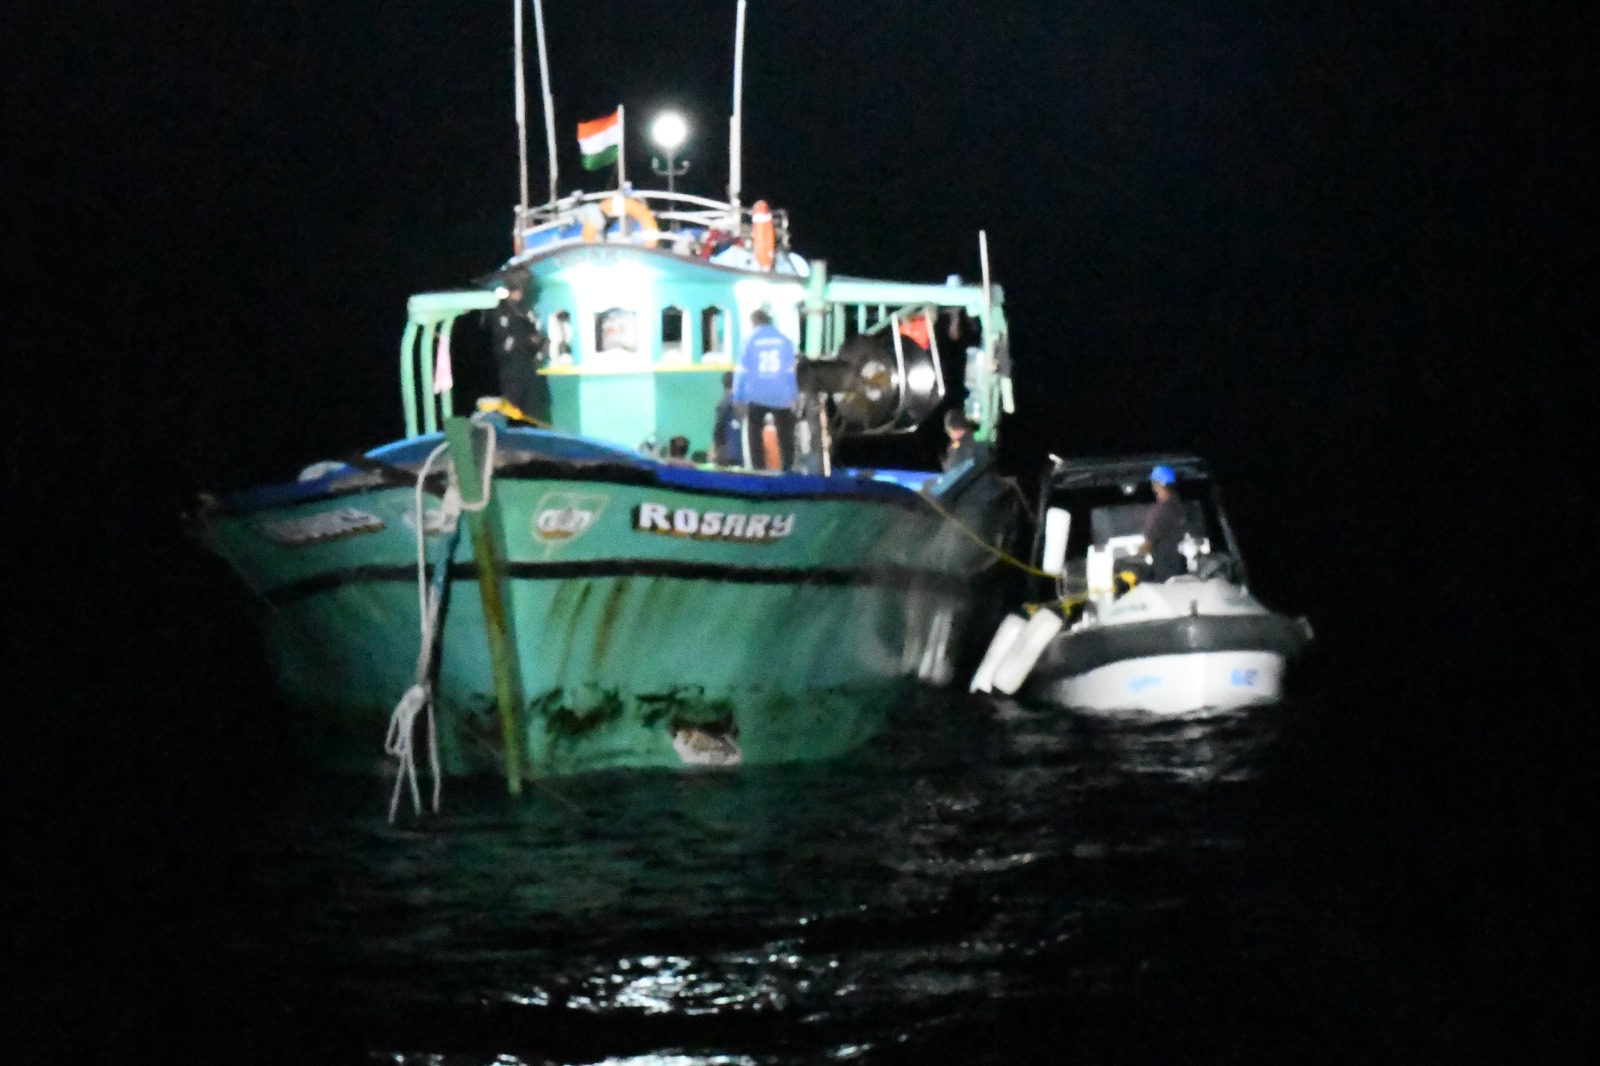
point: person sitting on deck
(765, 384)
(678, 451)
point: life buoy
(763, 240)
(619, 206)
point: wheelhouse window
(715, 346)
(674, 345)
(558, 327)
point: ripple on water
(976, 856)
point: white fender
(1018, 663)
(1005, 635)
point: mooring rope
(999, 553)
(400, 739)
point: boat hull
(1174, 684)
(1169, 666)
(644, 632)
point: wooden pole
(488, 551)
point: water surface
(986, 883)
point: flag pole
(622, 143)
(735, 134)
(522, 116)
(549, 101)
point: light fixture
(669, 131)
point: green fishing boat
(532, 588)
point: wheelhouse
(642, 314)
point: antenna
(549, 102)
(735, 139)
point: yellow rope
(494, 404)
(1003, 556)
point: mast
(522, 115)
(549, 101)
(735, 138)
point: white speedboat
(1105, 640)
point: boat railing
(674, 208)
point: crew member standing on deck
(765, 383)
(517, 344)
(727, 431)
(959, 430)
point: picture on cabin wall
(616, 331)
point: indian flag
(600, 139)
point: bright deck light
(669, 131)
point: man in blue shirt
(765, 383)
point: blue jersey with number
(766, 370)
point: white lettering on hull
(326, 526)
(650, 517)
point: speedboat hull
(1173, 684)
(1195, 646)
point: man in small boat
(765, 384)
(727, 431)
(1164, 527)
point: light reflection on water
(977, 856)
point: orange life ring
(764, 242)
(618, 206)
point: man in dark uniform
(517, 343)
(727, 431)
(1164, 528)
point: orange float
(620, 206)
(763, 240)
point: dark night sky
(1328, 247)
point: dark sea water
(987, 882)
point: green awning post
(430, 421)
(816, 307)
(488, 551)
(408, 376)
(445, 401)
(425, 311)
(994, 329)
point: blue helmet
(1163, 475)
